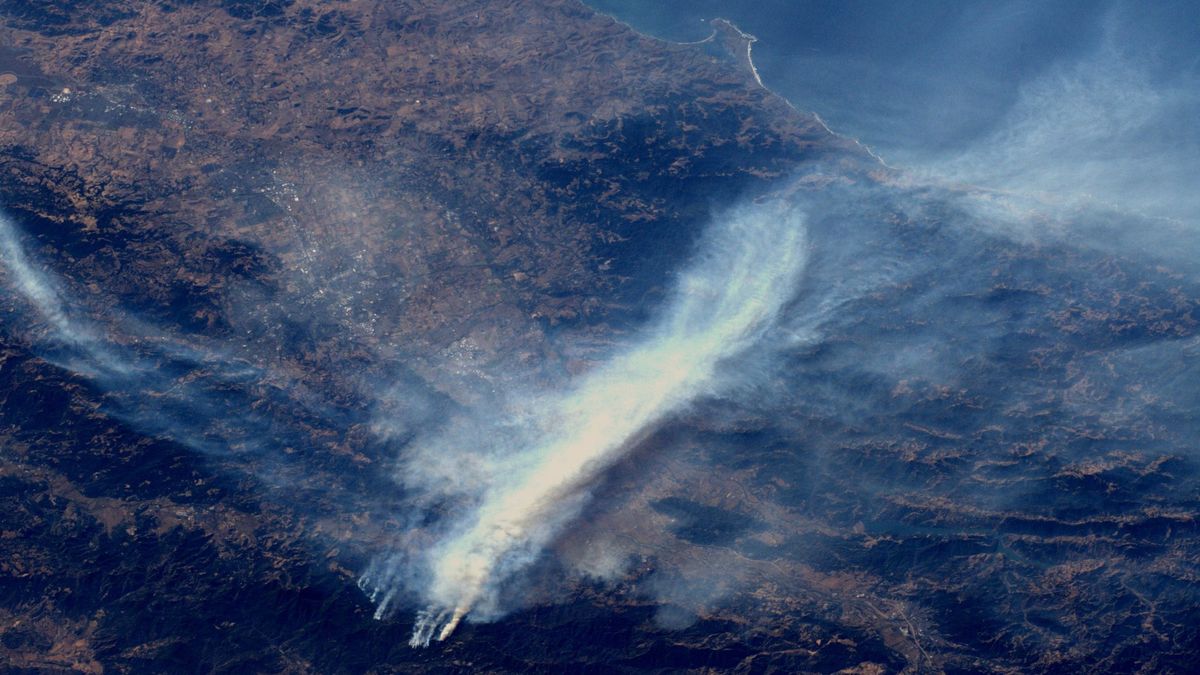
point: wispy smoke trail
(748, 267)
(90, 356)
(31, 283)
(36, 287)
(1111, 125)
(208, 410)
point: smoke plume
(39, 290)
(745, 271)
(135, 368)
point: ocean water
(1086, 98)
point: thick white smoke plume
(748, 267)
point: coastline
(718, 24)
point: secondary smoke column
(209, 410)
(31, 283)
(84, 351)
(747, 268)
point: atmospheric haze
(1081, 101)
(746, 269)
(133, 365)
(828, 308)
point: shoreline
(717, 25)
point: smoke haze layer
(502, 373)
(745, 271)
(1093, 100)
(197, 395)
